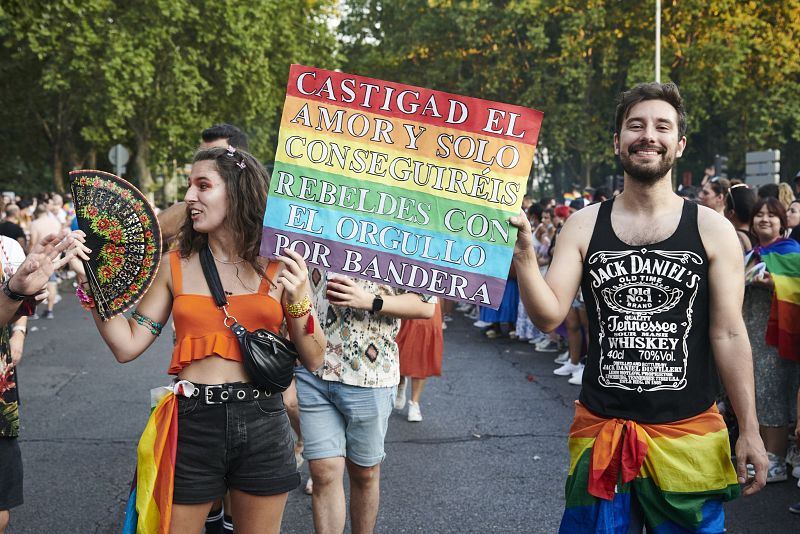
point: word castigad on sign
(397, 184)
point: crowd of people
(360, 343)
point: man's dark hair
(688, 192)
(668, 92)
(235, 137)
(741, 199)
(600, 194)
(719, 185)
(535, 210)
(768, 191)
(577, 204)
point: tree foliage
(79, 77)
(736, 63)
(151, 74)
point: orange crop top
(198, 321)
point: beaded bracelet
(87, 301)
(298, 309)
(155, 328)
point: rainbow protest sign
(398, 184)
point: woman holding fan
(232, 435)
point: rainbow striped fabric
(783, 328)
(680, 473)
(150, 504)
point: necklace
(223, 261)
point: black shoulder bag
(268, 358)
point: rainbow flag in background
(783, 328)
(397, 184)
(150, 504)
(680, 473)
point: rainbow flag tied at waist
(149, 507)
(680, 473)
(783, 327)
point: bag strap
(212, 277)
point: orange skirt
(421, 346)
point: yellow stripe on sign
(396, 168)
(706, 460)
(455, 147)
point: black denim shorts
(10, 474)
(241, 445)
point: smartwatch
(377, 304)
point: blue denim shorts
(342, 420)
(243, 445)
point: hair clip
(232, 152)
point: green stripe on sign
(466, 220)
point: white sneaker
(414, 415)
(400, 400)
(796, 474)
(567, 369)
(562, 358)
(793, 455)
(548, 346)
(481, 324)
(577, 377)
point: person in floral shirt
(345, 404)
(21, 278)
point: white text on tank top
(642, 345)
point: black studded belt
(222, 393)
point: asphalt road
(489, 456)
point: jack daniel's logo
(642, 344)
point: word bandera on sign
(398, 184)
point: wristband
(19, 328)
(87, 301)
(10, 293)
(377, 304)
(298, 309)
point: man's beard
(646, 174)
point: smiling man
(663, 284)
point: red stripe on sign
(415, 104)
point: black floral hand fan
(122, 231)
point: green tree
(736, 64)
(47, 69)
(152, 73)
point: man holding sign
(663, 284)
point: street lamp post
(658, 41)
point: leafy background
(78, 76)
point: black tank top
(649, 351)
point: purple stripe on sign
(391, 269)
